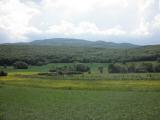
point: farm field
(23, 103)
(26, 95)
(92, 81)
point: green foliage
(141, 68)
(158, 59)
(81, 68)
(3, 73)
(101, 69)
(72, 69)
(41, 55)
(20, 65)
(117, 68)
(145, 67)
(157, 67)
(132, 68)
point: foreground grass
(26, 103)
(79, 97)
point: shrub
(144, 67)
(40, 63)
(148, 67)
(117, 68)
(57, 69)
(157, 67)
(3, 73)
(131, 68)
(111, 68)
(20, 65)
(100, 69)
(158, 59)
(53, 70)
(5, 66)
(81, 68)
(76, 69)
(140, 68)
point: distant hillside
(40, 54)
(81, 43)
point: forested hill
(80, 43)
(38, 55)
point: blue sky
(132, 21)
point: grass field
(93, 81)
(25, 95)
(23, 103)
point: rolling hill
(80, 43)
(63, 50)
(40, 54)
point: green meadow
(29, 103)
(24, 94)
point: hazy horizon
(77, 39)
(119, 21)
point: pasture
(26, 95)
(23, 103)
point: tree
(157, 67)
(117, 68)
(40, 63)
(100, 69)
(141, 68)
(148, 67)
(5, 66)
(111, 68)
(3, 73)
(81, 67)
(131, 68)
(20, 65)
(158, 59)
(144, 67)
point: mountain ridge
(72, 42)
(81, 43)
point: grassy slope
(18, 103)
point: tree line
(140, 67)
(79, 68)
(134, 68)
(41, 55)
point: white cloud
(22, 20)
(149, 23)
(68, 28)
(143, 29)
(15, 19)
(156, 22)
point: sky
(131, 21)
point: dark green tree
(20, 65)
(3, 73)
(100, 69)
